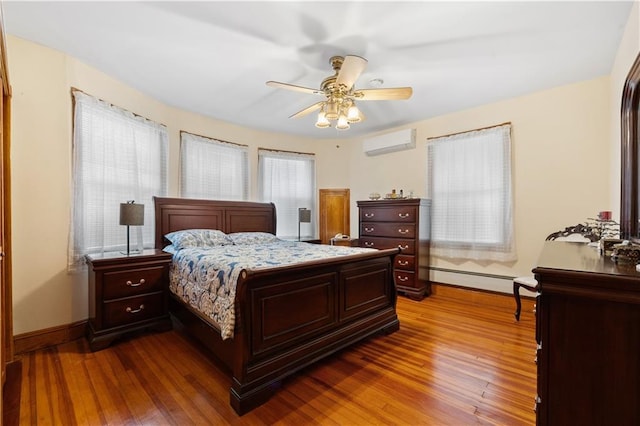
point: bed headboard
(175, 214)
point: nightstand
(127, 293)
(312, 241)
(345, 242)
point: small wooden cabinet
(345, 242)
(403, 223)
(127, 293)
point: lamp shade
(131, 214)
(304, 215)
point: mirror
(629, 197)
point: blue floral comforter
(206, 278)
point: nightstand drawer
(133, 309)
(130, 282)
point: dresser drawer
(407, 246)
(388, 229)
(382, 214)
(130, 282)
(404, 278)
(133, 309)
(405, 262)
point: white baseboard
(495, 283)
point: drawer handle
(403, 215)
(135, 311)
(369, 229)
(404, 247)
(403, 231)
(369, 214)
(369, 244)
(130, 284)
(401, 278)
(403, 262)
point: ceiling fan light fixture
(343, 124)
(338, 106)
(353, 114)
(331, 111)
(322, 122)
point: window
(470, 189)
(288, 180)
(117, 157)
(213, 169)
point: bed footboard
(286, 317)
(292, 318)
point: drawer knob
(403, 262)
(403, 247)
(135, 311)
(403, 279)
(369, 244)
(369, 214)
(403, 231)
(369, 229)
(403, 215)
(139, 283)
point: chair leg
(516, 295)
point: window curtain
(471, 192)
(117, 157)
(289, 181)
(213, 169)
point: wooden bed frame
(286, 317)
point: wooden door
(6, 311)
(334, 213)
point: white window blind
(213, 169)
(289, 181)
(471, 193)
(117, 157)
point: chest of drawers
(402, 223)
(588, 338)
(127, 293)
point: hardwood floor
(451, 362)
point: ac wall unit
(390, 142)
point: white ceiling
(214, 58)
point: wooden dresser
(588, 336)
(403, 223)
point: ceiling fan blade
(392, 93)
(352, 67)
(307, 110)
(295, 88)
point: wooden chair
(577, 234)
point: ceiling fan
(340, 94)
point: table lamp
(304, 215)
(131, 214)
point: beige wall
(44, 294)
(564, 147)
(560, 151)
